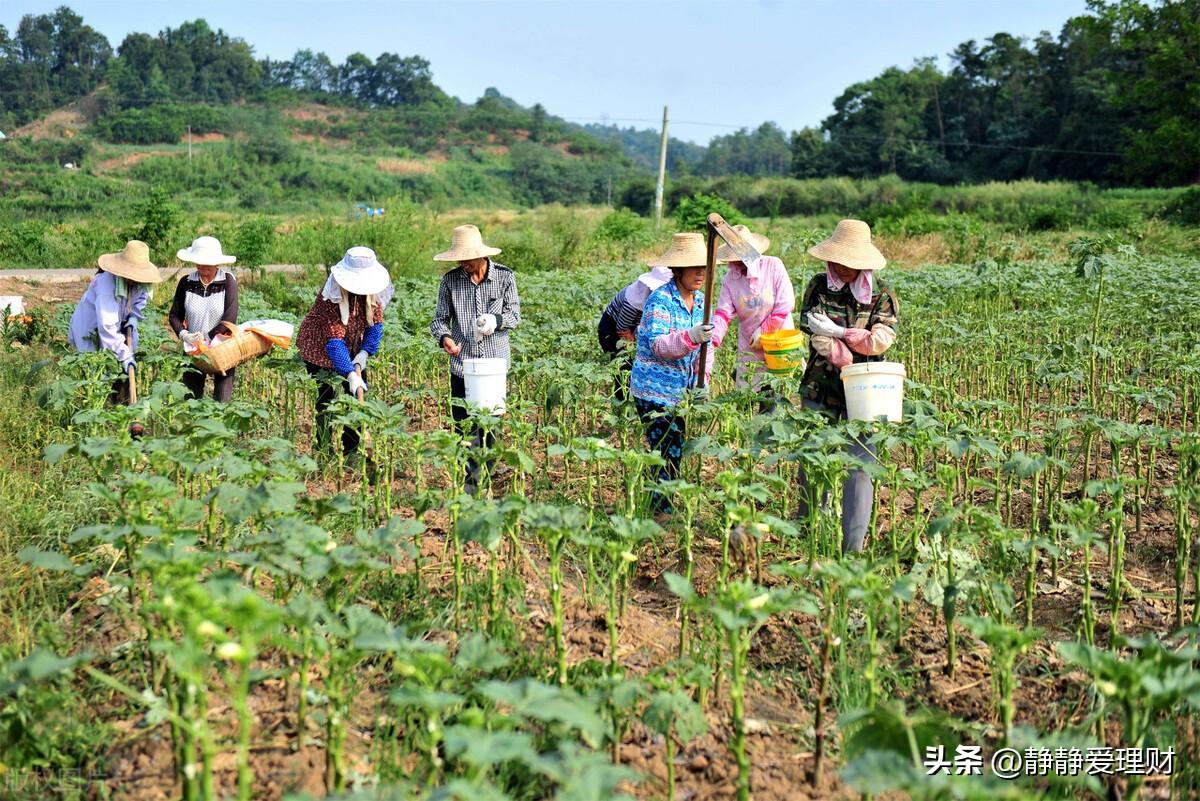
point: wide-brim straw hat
(687, 250)
(360, 272)
(757, 241)
(132, 263)
(655, 278)
(850, 246)
(466, 243)
(205, 250)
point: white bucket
(14, 303)
(487, 383)
(874, 390)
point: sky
(717, 66)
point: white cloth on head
(332, 292)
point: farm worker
(851, 317)
(346, 318)
(760, 296)
(205, 304)
(477, 306)
(622, 317)
(666, 365)
(110, 309)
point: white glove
(128, 363)
(356, 383)
(820, 324)
(360, 360)
(191, 337)
(485, 325)
(700, 333)
(756, 341)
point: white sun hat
(850, 246)
(205, 250)
(360, 272)
(466, 243)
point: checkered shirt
(461, 300)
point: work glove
(360, 360)
(128, 363)
(820, 324)
(485, 325)
(190, 337)
(700, 333)
(756, 341)
(356, 383)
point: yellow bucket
(784, 351)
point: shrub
(692, 213)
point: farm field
(210, 611)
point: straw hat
(132, 263)
(360, 272)
(851, 246)
(757, 241)
(205, 250)
(687, 250)
(466, 243)
(655, 278)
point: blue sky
(719, 66)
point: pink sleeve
(839, 354)
(674, 345)
(723, 314)
(874, 342)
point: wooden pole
(709, 273)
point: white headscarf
(332, 292)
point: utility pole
(662, 173)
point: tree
(811, 156)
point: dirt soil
(1050, 694)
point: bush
(692, 213)
(1184, 209)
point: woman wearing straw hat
(760, 296)
(851, 317)
(346, 318)
(666, 365)
(622, 317)
(107, 314)
(206, 303)
(477, 306)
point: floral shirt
(870, 331)
(324, 340)
(666, 359)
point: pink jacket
(762, 299)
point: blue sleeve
(371, 338)
(340, 356)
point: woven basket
(241, 347)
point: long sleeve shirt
(324, 340)
(762, 299)
(625, 309)
(100, 319)
(461, 301)
(666, 362)
(204, 308)
(870, 331)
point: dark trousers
(329, 384)
(665, 433)
(464, 426)
(606, 331)
(222, 384)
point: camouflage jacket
(822, 381)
